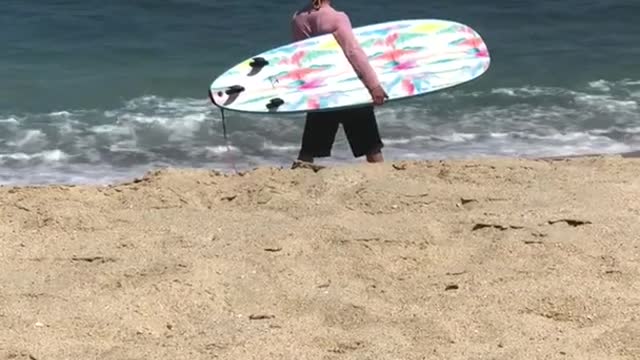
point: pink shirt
(309, 23)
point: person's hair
(317, 3)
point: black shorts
(360, 127)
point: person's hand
(378, 95)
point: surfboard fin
(235, 89)
(274, 103)
(258, 62)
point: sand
(474, 259)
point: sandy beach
(474, 259)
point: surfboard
(410, 57)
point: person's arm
(353, 51)
(296, 33)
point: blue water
(100, 91)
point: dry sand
(486, 259)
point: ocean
(102, 91)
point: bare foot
(375, 157)
(306, 165)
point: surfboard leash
(224, 132)
(226, 140)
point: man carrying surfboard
(360, 124)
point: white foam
(69, 174)
(16, 156)
(30, 139)
(628, 130)
(606, 85)
(601, 85)
(180, 119)
(282, 148)
(48, 156)
(629, 82)
(437, 137)
(498, 135)
(60, 114)
(526, 121)
(220, 149)
(54, 155)
(176, 106)
(111, 130)
(125, 146)
(398, 141)
(457, 137)
(10, 120)
(504, 91)
(606, 102)
(527, 91)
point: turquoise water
(97, 91)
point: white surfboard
(410, 57)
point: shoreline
(626, 155)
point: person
(359, 123)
